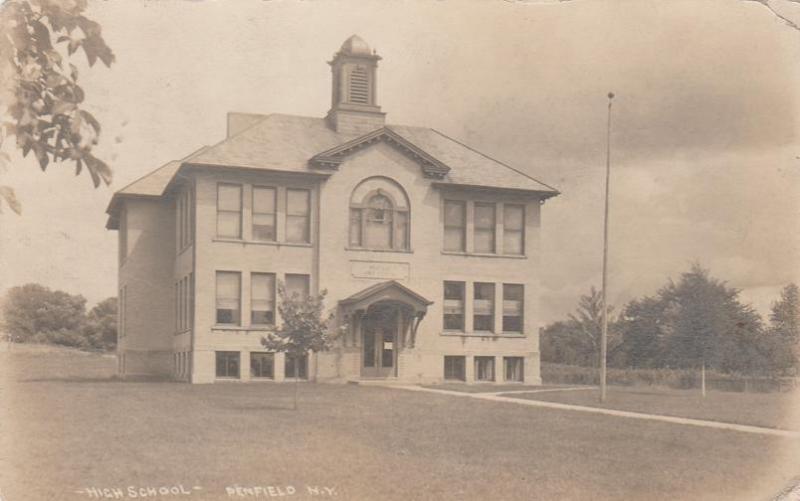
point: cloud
(705, 139)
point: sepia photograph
(400, 250)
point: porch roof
(390, 290)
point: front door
(378, 351)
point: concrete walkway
(498, 397)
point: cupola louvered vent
(359, 85)
(354, 108)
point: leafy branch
(40, 99)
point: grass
(771, 410)
(67, 425)
(489, 388)
(672, 378)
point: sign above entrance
(379, 269)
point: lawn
(491, 388)
(773, 410)
(68, 426)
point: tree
(784, 330)
(101, 325)
(577, 341)
(303, 329)
(643, 333)
(34, 313)
(560, 343)
(707, 326)
(40, 99)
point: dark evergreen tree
(783, 334)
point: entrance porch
(382, 326)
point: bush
(35, 314)
(62, 337)
(33, 309)
(683, 379)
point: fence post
(703, 379)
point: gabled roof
(297, 144)
(469, 167)
(333, 157)
(276, 142)
(153, 184)
(390, 290)
(306, 145)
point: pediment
(332, 158)
(385, 291)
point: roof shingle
(287, 143)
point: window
(123, 235)
(228, 364)
(379, 215)
(483, 307)
(229, 210)
(122, 311)
(184, 219)
(181, 295)
(455, 368)
(190, 302)
(514, 229)
(302, 365)
(454, 306)
(356, 227)
(297, 286)
(298, 212)
(264, 214)
(514, 369)
(379, 222)
(455, 225)
(262, 299)
(179, 214)
(513, 302)
(228, 298)
(484, 228)
(183, 303)
(177, 301)
(484, 368)
(400, 240)
(379, 225)
(262, 365)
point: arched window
(379, 215)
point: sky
(705, 140)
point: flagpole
(604, 333)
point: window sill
(185, 331)
(483, 334)
(365, 249)
(184, 249)
(238, 328)
(478, 254)
(261, 242)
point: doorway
(379, 341)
